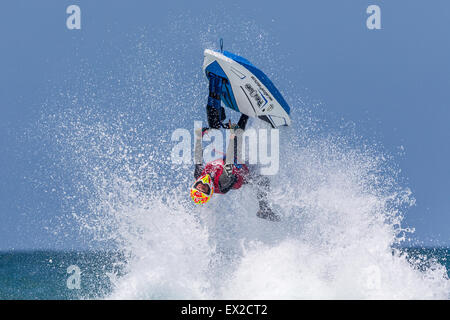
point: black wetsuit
(215, 118)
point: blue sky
(393, 84)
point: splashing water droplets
(340, 203)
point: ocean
(43, 275)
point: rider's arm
(198, 171)
(198, 152)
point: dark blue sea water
(44, 274)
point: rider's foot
(265, 212)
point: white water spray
(341, 208)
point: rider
(222, 175)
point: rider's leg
(215, 116)
(261, 184)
